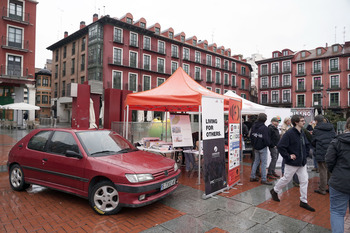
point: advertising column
(213, 144)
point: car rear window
(39, 140)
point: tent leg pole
(200, 144)
(166, 126)
(127, 122)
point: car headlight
(136, 178)
(176, 167)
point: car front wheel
(104, 198)
(17, 178)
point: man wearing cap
(275, 138)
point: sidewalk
(245, 208)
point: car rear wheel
(104, 198)
(17, 178)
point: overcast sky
(245, 26)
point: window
(217, 77)
(233, 66)
(335, 48)
(16, 10)
(317, 83)
(45, 82)
(64, 69)
(301, 69)
(286, 96)
(286, 66)
(274, 81)
(243, 95)
(197, 73)
(182, 39)
(214, 49)
(117, 56)
(61, 142)
(333, 64)
(264, 70)
(146, 83)
(317, 99)
(82, 66)
(117, 80)
(275, 54)
(73, 66)
(73, 48)
(303, 54)
(334, 99)
(133, 59)
(243, 84)
(63, 88)
(56, 71)
(83, 43)
(319, 51)
(317, 67)
(274, 96)
(56, 88)
(142, 25)
(300, 100)
(198, 57)
(194, 42)
(209, 60)
(233, 80)
(209, 79)
(335, 81)
(301, 84)
(64, 51)
(82, 79)
(128, 20)
(161, 47)
(285, 53)
(38, 141)
(147, 43)
(118, 35)
(56, 57)
(205, 46)
(15, 37)
(38, 81)
(243, 70)
(146, 62)
(218, 62)
(264, 97)
(160, 65)
(37, 99)
(171, 35)
(286, 80)
(186, 54)
(14, 65)
(218, 90)
(157, 31)
(174, 51)
(274, 68)
(348, 81)
(160, 81)
(45, 99)
(174, 67)
(226, 65)
(186, 68)
(132, 82)
(264, 82)
(209, 88)
(226, 80)
(133, 39)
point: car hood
(139, 161)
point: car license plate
(167, 184)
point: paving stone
(286, 224)
(188, 224)
(315, 229)
(257, 215)
(157, 229)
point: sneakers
(320, 192)
(254, 179)
(271, 176)
(274, 195)
(266, 182)
(306, 206)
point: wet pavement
(245, 208)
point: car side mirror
(73, 154)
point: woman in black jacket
(338, 163)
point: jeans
(274, 158)
(339, 204)
(260, 155)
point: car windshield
(104, 142)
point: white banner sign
(213, 118)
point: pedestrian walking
(322, 136)
(338, 164)
(275, 138)
(260, 141)
(294, 148)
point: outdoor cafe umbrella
(20, 106)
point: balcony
(274, 86)
(198, 77)
(263, 87)
(174, 55)
(315, 72)
(300, 105)
(209, 80)
(22, 45)
(24, 19)
(300, 74)
(286, 85)
(286, 70)
(13, 74)
(335, 69)
(274, 71)
(264, 73)
(300, 89)
(334, 105)
(334, 88)
(317, 88)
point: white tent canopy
(20, 106)
(248, 107)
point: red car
(96, 164)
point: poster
(213, 144)
(234, 141)
(181, 132)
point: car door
(64, 172)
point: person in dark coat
(294, 148)
(275, 138)
(260, 139)
(338, 164)
(322, 135)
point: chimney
(65, 34)
(95, 17)
(82, 24)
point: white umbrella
(20, 106)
